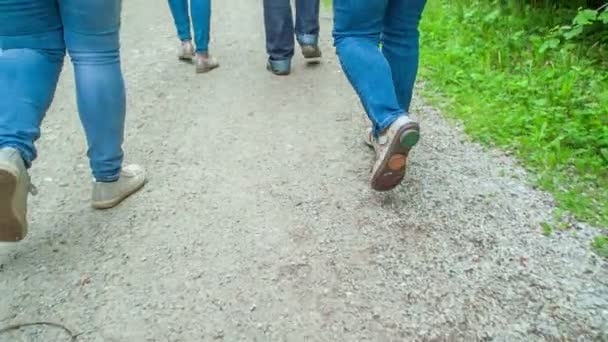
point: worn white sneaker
(369, 138)
(108, 195)
(205, 63)
(14, 187)
(392, 149)
(186, 51)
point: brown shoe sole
(12, 228)
(392, 169)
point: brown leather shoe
(205, 63)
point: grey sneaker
(108, 195)
(392, 149)
(14, 187)
(205, 64)
(186, 51)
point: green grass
(547, 229)
(545, 102)
(600, 245)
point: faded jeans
(382, 77)
(201, 20)
(34, 35)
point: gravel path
(258, 223)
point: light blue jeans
(383, 78)
(201, 18)
(34, 35)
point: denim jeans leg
(201, 20)
(91, 31)
(357, 29)
(29, 79)
(401, 45)
(307, 21)
(31, 59)
(278, 21)
(179, 10)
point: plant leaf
(575, 32)
(549, 44)
(585, 17)
(603, 17)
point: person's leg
(278, 21)
(401, 45)
(307, 21)
(31, 57)
(91, 31)
(179, 10)
(201, 20)
(181, 18)
(28, 78)
(357, 29)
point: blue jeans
(278, 21)
(201, 18)
(382, 77)
(34, 35)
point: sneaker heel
(410, 137)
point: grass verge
(492, 68)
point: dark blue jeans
(278, 20)
(382, 77)
(201, 17)
(34, 35)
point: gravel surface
(258, 223)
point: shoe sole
(12, 228)
(102, 205)
(206, 69)
(186, 57)
(392, 169)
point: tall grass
(492, 65)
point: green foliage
(520, 77)
(600, 245)
(589, 24)
(547, 229)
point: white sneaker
(14, 187)
(108, 195)
(186, 51)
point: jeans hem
(308, 39)
(379, 127)
(107, 179)
(25, 156)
